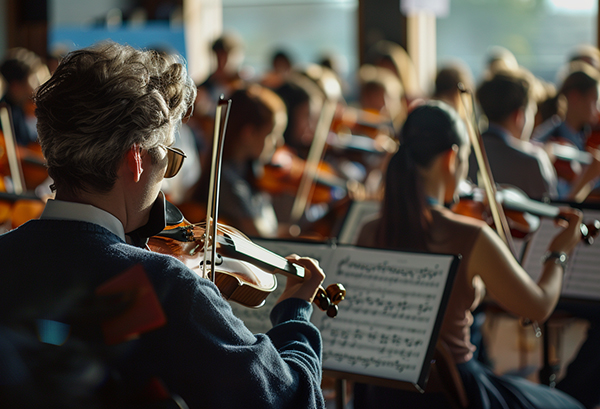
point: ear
(134, 162)
(518, 115)
(450, 159)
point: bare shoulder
(368, 232)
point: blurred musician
(507, 102)
(422, 176)
(255, 112)
(281, 68)
(447, 81)
(580, 91)
(23, 71)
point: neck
(435, 192)
(510, 127)
(111, 202)
(573, 121)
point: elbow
(542, 311)
(540, 316)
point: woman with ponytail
(422, 176)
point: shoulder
(546, 129)
(528, 152)
(368, 232)
(447, 217)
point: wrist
(560, 258)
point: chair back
(444, 377)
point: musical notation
(581, 275)
(393, 306)
(389, 314)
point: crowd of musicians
(104, 135)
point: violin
(365, 122)
(25, 164)
(567, 159)
(245, 271)
(523, 213)
(16, 206)
(284, 173)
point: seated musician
(447, 83)
(421, 177)
(106, 121)
(506, 100)
(381, 92)
(250, 130)
(22, 71)
(580, 89)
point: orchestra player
(106, 121)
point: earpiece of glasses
(175, 157)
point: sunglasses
(175, 157)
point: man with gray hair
(106, 122)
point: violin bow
(212, 207)
(332, 93)
(16, 172)
(498, 215)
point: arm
(584, 184)
(509, 284)
(212, 360)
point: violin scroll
(589, 231)
(328, 299)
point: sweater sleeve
(209, 358)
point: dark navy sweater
(204, 353)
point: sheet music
(388, 324)
(385, 326)
(582, 276)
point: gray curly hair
(101, 101)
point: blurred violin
(284, 173)
(365, 122)
(16, 206)
(25, 165)
(18, 209)
(567, 159)
(523, 213)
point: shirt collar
(58, 209)
(499, 131)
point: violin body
(284, 173)
(238, 280)
(475, 205)
(244, 271)
(568, 160)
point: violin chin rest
(173, 215)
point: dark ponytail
(429, 130)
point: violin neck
(246, 250)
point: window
(541, 33)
